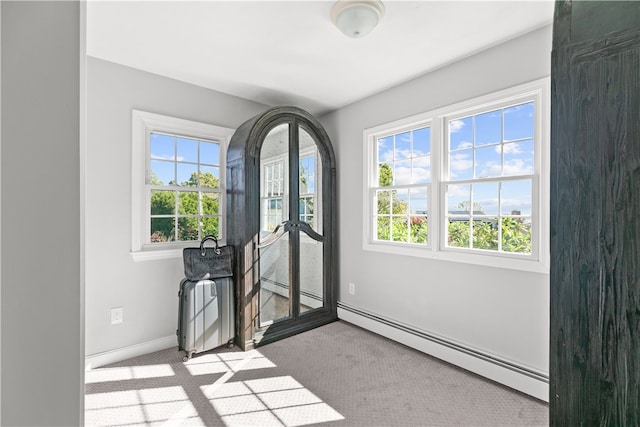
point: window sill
(506, 262)
(152, 255)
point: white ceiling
(289, 52)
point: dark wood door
(595, 215)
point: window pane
(485, 198)
(402, 146)
(418, 201)
(421, 142)
(458, 232)
(306, 205)
(188, 228)
(385, 175)
(307, 175)
(488, 161)
(162, 146)
(400, 201)
(383, 228)
(210, 226)
(458, 199)
(485, 234)
(385, 149)
(163, 202)
(210, 204)
(488, 128)
(516, 235)
(209, 153)
(384, 202)
(518, 158)
(162, 173)
(399, 229)
(187, 175)
(402, 172)
(162, 230)
(188, 203)
(210, 176)
(461, 165)
(419, 229)
(310, 184)
(421, 171)
(516, 198)
(187, 150)
(518, 122)
(461, 133)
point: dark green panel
(595, 219)
(593, 19)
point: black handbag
(208, 263)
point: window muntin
(183, 185)
(401, 195)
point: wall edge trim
(119, 354)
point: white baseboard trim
(511, 374)
(112, 356)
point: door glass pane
(310, 181)
(311, 274)
(275, 290)
(274, 281)
(310, 209)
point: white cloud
(464, 145)
(456, 126)
(422, 162)
(510, 168)
(402, 175)
(460, 162)
(517, 167)
(512, 148)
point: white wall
(500, 312)
(147, 290)
(41, 259)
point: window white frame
(538, 261)
(143, 124)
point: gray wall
(147, 290)
(499, 311)
(41, 260)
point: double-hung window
(178, 183)
(402, 186)
(467, 183)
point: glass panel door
(275, 277)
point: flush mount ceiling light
(356, 18)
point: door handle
(277, 233)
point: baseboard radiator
(511, 374)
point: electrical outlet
(352, 288)
(117, 315)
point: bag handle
(203, 250)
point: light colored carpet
(336, 375)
